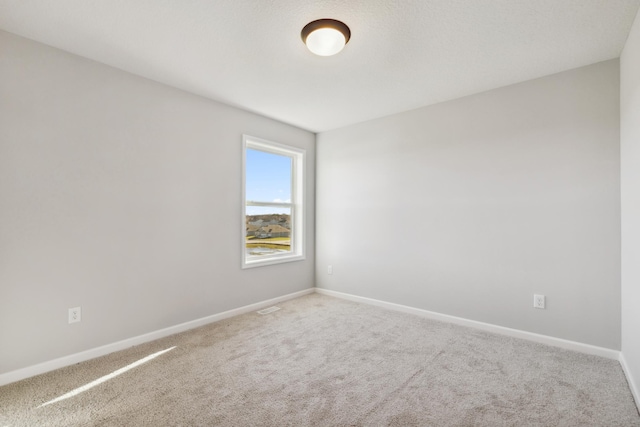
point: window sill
(257, 262)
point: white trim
(530, 336)
(41, 368)
(635, 391)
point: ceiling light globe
(326, 41)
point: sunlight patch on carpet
(106, 377)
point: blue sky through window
(268, 179)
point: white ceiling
(402, 55)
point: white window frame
(297, 215)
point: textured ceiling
(402, 54)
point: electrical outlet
(330, 269)
(75, 314)
(538, 301)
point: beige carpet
(322, 361)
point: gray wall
(120, 195)
(630, 177)
(469, 207)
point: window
(273, 205)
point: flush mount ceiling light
(325, 37)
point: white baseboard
(632, 385)
(530, 336)
(41, 368)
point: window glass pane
(268, 230)
(268, 177)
